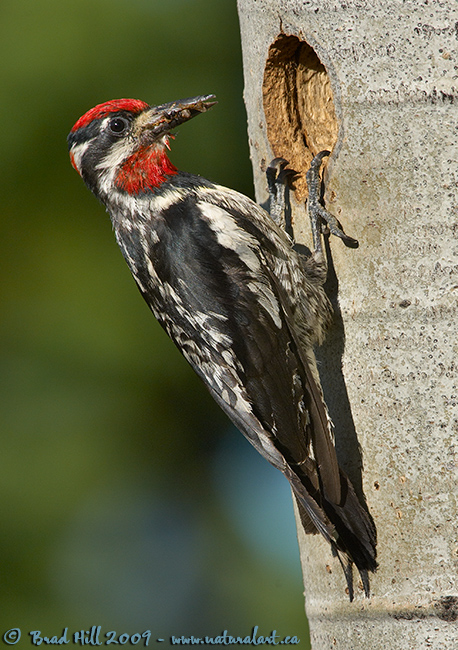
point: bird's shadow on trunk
(329, 357)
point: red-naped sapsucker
(224, 280)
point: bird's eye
(118, 125)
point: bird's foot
(319, 216)
(278, 176)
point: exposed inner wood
(298, 106)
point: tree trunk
(376, 83)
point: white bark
(392, 179)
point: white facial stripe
(109, 166)
(78, 151)
(118, 153)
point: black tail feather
(350, 531)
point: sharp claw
(278, 170)
(333, 226)
(350, 242)
(319, 157)
(278, 163)
(318, 211)
(287, 175)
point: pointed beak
(156, 121)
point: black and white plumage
(244, 308)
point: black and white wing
(224, 275)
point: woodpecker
(223, 278)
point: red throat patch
(146, 169)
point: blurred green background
(127, 499)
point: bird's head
(121, 144)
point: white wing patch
(231, 236)
(161, 202)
